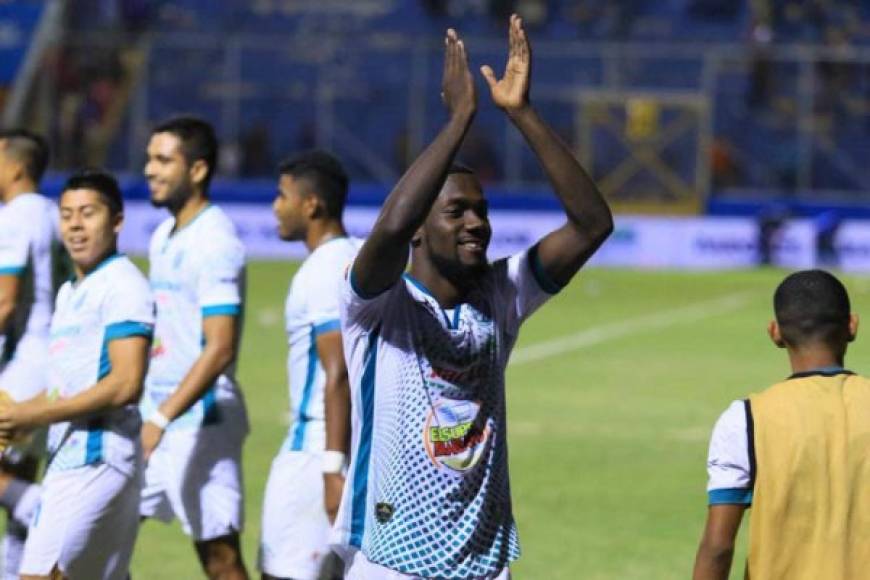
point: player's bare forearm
(716, 551)
(384, 255)
(336, 396)
(220, 334)
(336, 391)
(565, 250)
(212, 361)
(9, 287)
(590, 220)
(121, 387)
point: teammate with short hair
(28, 235)
(427, 492)
(306, 480)
(195, 417)
(797, 453)
(87, 521)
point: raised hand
(511, 92)
(457, 86)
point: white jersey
(311, 309)
(427, 491)
(111, 302)
(196, 272)
(28, 232)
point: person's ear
(853, 326)
(773, 331)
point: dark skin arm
(336, 398)
(221, 340)
(384, 255)
(716, 551)
(564, 251)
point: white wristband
(333, 461)
(158, 419)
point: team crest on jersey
(453, 436)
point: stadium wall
(519, 218)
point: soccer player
(306, 479)
(28, 235)
(195, 417)
(427, 492)
(797, 453)
(101, 330)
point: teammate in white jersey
(427, 492)
(87, 521)
(195, 418)
(306, 480)
(28, 236)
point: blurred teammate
(306, 480)
(28, 234)
(195, 418)
(798, 453)
(427, 491)
(101, 330)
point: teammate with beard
(427, 492)
(195, 417)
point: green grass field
(608, 430)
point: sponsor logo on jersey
(453, 435)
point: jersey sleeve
(129, 308)
(220, 279)
(523, 283)
(728, 463)
(323, 297)
(14, 247)
(358, 310)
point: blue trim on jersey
(363, 455)
(94, 444)
(546, 283)
(128, 328)
(221, 310)
(106, 261)
(324, 327)
(210, 411)
(731, 495)
(303, 418)
(419, 285)
(12, 270)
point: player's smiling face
(290, 209)
(87, 227)
(167, 171)
(456, 233)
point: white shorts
(295, 532)
(196, 476)
(86, 524)
(24, 377)
(361, 568)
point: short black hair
(198, 141)
(812, 306)
(100, 181)
(29, 148)
(325, 176)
